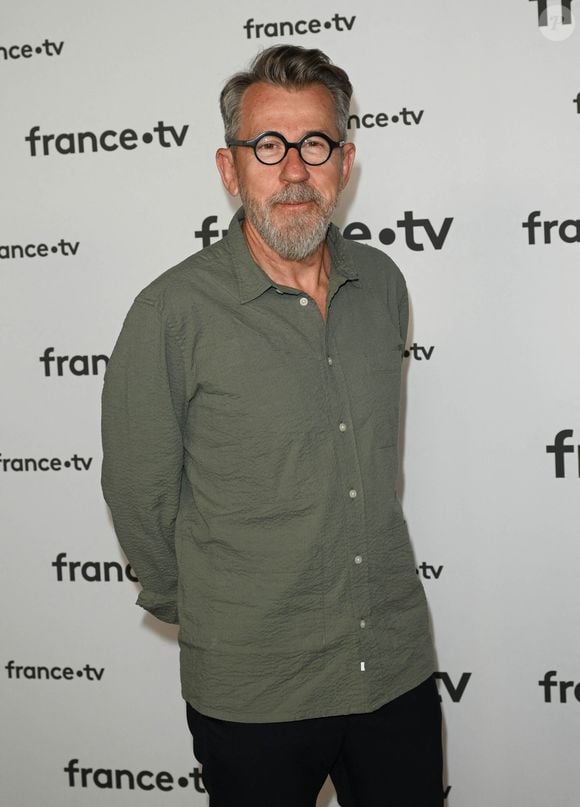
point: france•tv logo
(559, 449)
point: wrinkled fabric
(250, 463)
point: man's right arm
(144, 406)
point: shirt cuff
(164, 608)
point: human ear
(348, 153)
(226, 166)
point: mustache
(294, 194)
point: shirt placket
(355, 549)
(351, 547)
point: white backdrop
(477, 132)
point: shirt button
(304, 301)
(352, 493)
(329, 360)
(363, 623)
(358, 559)
(342, 427)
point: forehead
(292, 112)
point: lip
(294, 204)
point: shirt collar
(253, 281)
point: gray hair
(287, 66)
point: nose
(293, 168)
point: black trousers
(388, 758)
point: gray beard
(303, 234)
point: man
(250, 418)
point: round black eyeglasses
(270, 148)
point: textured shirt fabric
(250, 463)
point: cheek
(260, 187)
(331, 186)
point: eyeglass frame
(288, 145)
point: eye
(269, 146)
(315, 144)
(315, 150)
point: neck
(309, 275)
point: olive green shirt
(250, 463)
